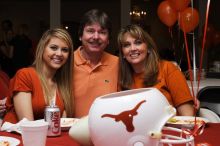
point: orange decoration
(167, 14)
(179, 5)
(189, 19)
(216, 38)
(210, 31)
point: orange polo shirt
(27, 80)
(172, 84)
(90, 83)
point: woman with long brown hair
(141, 67)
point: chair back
(4, 77)
(210, 115)
(209, 97)
(4, 84)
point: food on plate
(175, 120)
(67, 121)
(4, 143)
(186, 121)
(8, 141)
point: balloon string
(170, 31)
(203, 43)
(189, 64)
(171, 36)
(197, 130)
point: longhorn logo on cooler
(126, 117)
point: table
(63, 140)
(210, 135)
(203, 83)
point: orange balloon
(208, 42)
(166, 13)
(210, 31)
(216, 38)
(179, 5)
(189, 19)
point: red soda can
(52, 116)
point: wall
(36, 14)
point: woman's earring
(124, 57)
(148, 51)
(80, 39)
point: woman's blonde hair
(151, 61)
(63, 76)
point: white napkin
(9, 127)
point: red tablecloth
(211, 135)
(63, 140)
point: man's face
(94, 38)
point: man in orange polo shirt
(95, 71)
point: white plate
(66, 123)
(11, 140)
(185, 121)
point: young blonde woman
(48, 81)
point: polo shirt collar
(80, 60)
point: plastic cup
(34, 133)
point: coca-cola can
(52, 116)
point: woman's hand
(2, 107)
(2, 110)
